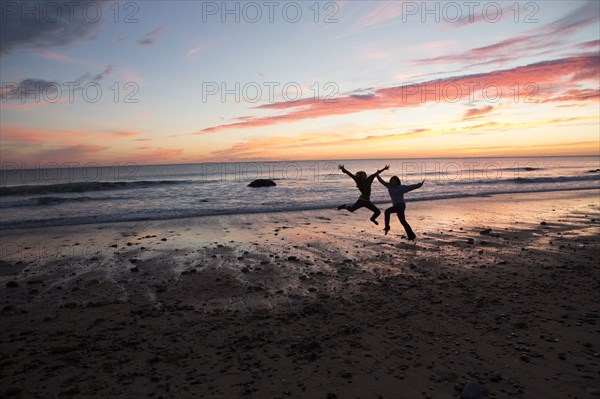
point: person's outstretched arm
(346, 171)
(383, 181)
(372, 177)
(414, 186)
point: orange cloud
(157, 154)
(21, 134)
(331, 143)
(559, 149)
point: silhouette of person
(363, 183)
(397, 191)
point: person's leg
(401, 208)
(388, 212)
(376, 211)
(358, 204)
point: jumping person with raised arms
(363, 183)
(397, 191)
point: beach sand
(316, 304)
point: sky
(153, 82)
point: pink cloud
(588, 45)
(555, 74)
(474, 112)
(63, 59)
(505, 50)
(576, 95)
(481, 15)
(124, 134)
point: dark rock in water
(262, 183)
(473, 390)
(594, 171)
(485, 232)
(543, 223)
(12, 284)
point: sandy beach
(497, 298)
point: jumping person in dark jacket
(397, 192)
(364, 185)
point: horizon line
(117, 164)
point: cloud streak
(151, 38)
(384, 12)
(22, 134)
(45, 91)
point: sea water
(55, 195)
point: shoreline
(305, 209)
(310, 304)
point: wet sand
(498, 295)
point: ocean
(59, 195)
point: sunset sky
(362, 79)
